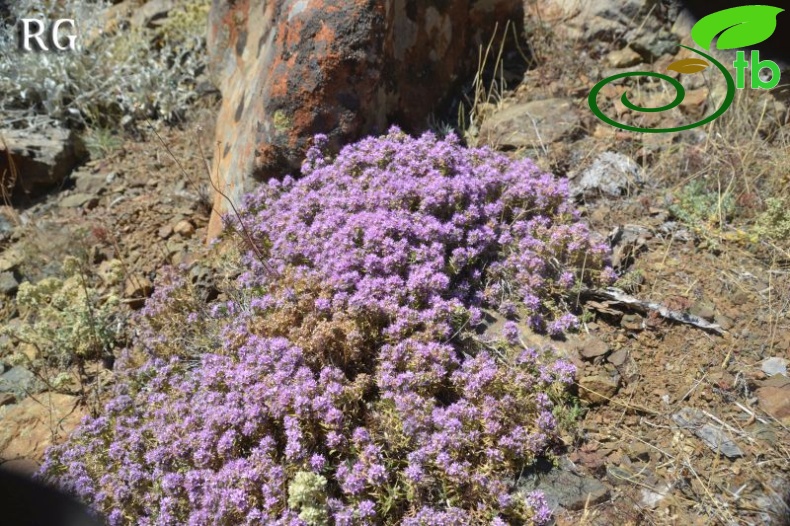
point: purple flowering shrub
(349, 387)
(173, 322)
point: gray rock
(717, 440)
(8, 284)
(611, 173)
(42, 159)
(6, 227)
(775, 365)
(78, 200)
(694, 421)
(92, 184)
(531, 124)
(20, 382)
(563, 488)
(593, 347)
(653, 46)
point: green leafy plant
(307, 493)
(67, 318)
(774, 222)
(100, 142)
(698, 207)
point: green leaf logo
(739, 26)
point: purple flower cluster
(347, 357)
(212, 444)
(412, 230)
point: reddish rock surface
(34, 424)
(289, 69)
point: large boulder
(289, 69)
(39, 160)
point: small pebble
(184, 228)
(775, 365)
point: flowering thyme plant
(349, 387)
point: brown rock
(632, 322)
(593, 347)
(704, 310)
(618, 357)
(89, 183)
(11, 258)
(624, 58)
(776, 402)
(34, 424)
(79, 200)
(597, 389)
(151, 12)
(740, 298)
(184, 228)
(165, 232)
(20, 466)
(694, 101)
(723, 321)
(29, 350)
(777, 380)
(531, 124)
(291, 69)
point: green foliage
(630, 281)
(101, 141)
(66, 318)
(699, 207)
(307, 493)
(775, 221)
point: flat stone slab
(531, 124)
(563, 488)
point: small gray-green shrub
(68, 318)
(112, 79)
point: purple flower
(510, 332)
(347, 351)
(317, 462)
